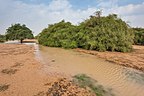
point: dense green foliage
(108, 33)
(18, 32)
(61, 34)
(139, 36)
(105, 33)
(2, 38)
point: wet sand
(21, 74)
(134, 59)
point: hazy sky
(37, 14)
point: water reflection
(134, 76)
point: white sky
(38, 16)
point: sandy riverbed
(21, 75)
(134, 59)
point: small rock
(52, 60)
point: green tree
(107, 33)
(18, 32)
(139, 36)
(101, 33)
(60, 34)
(2, 38)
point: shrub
(108, 33)
(2, 38)
(61, 34)
(139, 36)
(105, 33)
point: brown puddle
(123, 81)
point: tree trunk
(21, 41)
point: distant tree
(139, 36)
(18, 32)
(2, 38)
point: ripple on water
(134, 76)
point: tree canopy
(139, 36)
(108, 33)
(61, 34)
(2, 38)
(101, 33)
(18, 32)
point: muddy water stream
(123, 81)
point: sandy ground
(133, 59)
(21, 75)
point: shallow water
(123, 81)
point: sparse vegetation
(3, 87)
(17, 64)
(9, 71)
(85, 81)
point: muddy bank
(134, 59)
(21, 75)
